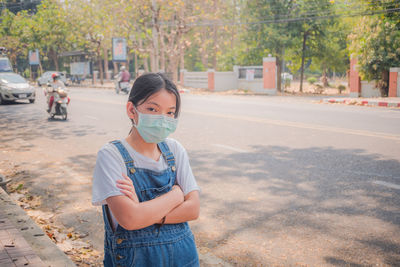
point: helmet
(55, 76)
(123, 68)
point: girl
(145, 184)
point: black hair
(150, 83)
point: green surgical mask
(155, 128)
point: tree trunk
(175, 71)
(162, 51)
(203, 49)
(182, 58)
(54, 57)
(324, 78)
(105, 54)
(152, 60)
(100, 70)
(155, 36)
(136, 65)
(215, 37)
(115, 70)
(303, 52)
(278, 74)
(384, 84)
(99, 62)
(146, 64)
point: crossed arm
(133, 215)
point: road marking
(90, 117)
(231, 148)
(299, 125)
(390, 185)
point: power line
(293, 19)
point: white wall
(368, 89)
(226, 80)
(255, 85)
(398, 84)
(195, 79)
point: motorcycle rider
(123, 76)
(51, 91)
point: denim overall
(169, 245)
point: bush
(341, 88)
(312, 80)
(27, 74)
(319, 89)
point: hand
(126, 187)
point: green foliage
(60, 26)
(376, 44)
(312, 80)
(27, 73)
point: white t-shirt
(110, 165)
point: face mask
(155, 128)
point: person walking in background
(145, 184)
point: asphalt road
(285, 181)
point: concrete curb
(363, 102)
(44, 248)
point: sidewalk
(393, 102)
(22, 242)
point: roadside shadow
(39, 125)
(319, 191)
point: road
(285, 181)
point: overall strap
(167, 154)
(125, 155)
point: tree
(51, 30)
(375, 42)
(314, 35)
(267, 38)
(9, 36)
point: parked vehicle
(5, 64)
(286, 76)
(14, 87)
(46, 78)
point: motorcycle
(61, 101)
(122, 86)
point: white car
(46, 78)
(14, 87)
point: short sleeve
(184, 174)
(108, 169)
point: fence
(368, 89)
(259, 79)
(195, 79)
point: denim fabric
(169, 245)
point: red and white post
(269, 75)
(211, 79)
(355, 80)
(394, 84)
